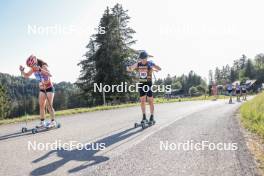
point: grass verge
(101, 108)
(252, 118)
(252, 113)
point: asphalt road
(114, 147)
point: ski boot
(143, 122)
(42, 124)
(52, 124)
(151, 120)
(144, 119)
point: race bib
(143, 75)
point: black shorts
(145, 89)
(238, 92)
(51, 89)
(229, 91)
(244, 91)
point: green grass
(66, 113)
(252, 115)
(101, 108)
(252, 118)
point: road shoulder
(254, 144)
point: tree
(211, 77)
(168, 80)
(202, 89)
(218, 76)
(242, 61)
(5, 103)
(232, 75)
(107, 55)
(176, 85)
(259, 65)
(192, 91)
(259, 61)
(249, 69)
(226, 74)
(32, 105)
(159, 81)
(88, 71)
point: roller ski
(25, 130)
(45, 126)
(42, 126)
(145, 122)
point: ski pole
(25, 110)
(154, 76)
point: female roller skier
(145, 69)
(46, 89)
(238, 92)
(214, 91)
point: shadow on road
(15, 135)
(87, 156)
(20, 134)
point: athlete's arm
(132, 67)
(25, 74)
(44, 70)
(156, 68)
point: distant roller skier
(214, 91)
(229, 89)
(244, 92)
(238, 92)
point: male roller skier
(229, 89)
(238, 91)
(145, 69)
(244, 91)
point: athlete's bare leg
(151, 105)
(143, 104)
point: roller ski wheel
(24, 130)
(34, 130)
(143, 125)
(144, 121)
(58, 125)
(135, 125)
(152, 122)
